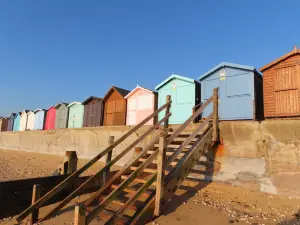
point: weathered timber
(215, 116)
(108, 159)
(79, 217)
(36, 194)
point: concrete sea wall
(259, 155)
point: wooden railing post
(161, 160)
(79, 217)
(215, 115)
(72, 161)
(108, 159)
(36, 194)
(166, 123)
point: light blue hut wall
(76, 113)
(236, 92)
(39, 120)
(17, 123)
(183, 96)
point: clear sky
(54, 50)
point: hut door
(110, 112)
(131, 113)
(286, 92)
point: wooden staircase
(140, 189)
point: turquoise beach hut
(185, 94)
(17, 121)
(76, 112)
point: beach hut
(240, 91)
(115, 107)
(17, 121)
(62, 114)
(93, 112)
(30, 120)
(50, 119)
(3, 123)
(23, 120)
(76, 110)
(282, 86)
(39, 119)
(10, 126)
(185, 94)
(141, 102)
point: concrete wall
(264, 156)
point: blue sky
(55, 50)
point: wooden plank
(79, 217)
(73, 176)
(114, 194)
(108, 159)
(161, 159)
(36, 194)
(215, 115)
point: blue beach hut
(240, 91)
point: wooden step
(174, 146)
(131, 191)
(186, 133)
(182, 139)
(169, 153)
(106, 214)
(146, 170)
(138, 180)
(155, 161)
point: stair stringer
(175, 178)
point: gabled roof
(38, 110)
(61, 103)
(26, 111)
(18, 114)
(226, 64)
(74, 103)
(295, 51)
(13, 115)
(52, 107)
(138, 88)
(90, 99)
(121, 91)
(174, 76)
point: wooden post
(36, 194)
(161, 159)
(108, 158)
(215, 115)
(79, 218)
(72, 161)
(166, 124)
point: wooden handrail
(73, 176)
(104, 169)
(114, 194)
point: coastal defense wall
(259, 155)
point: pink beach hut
(141, 102)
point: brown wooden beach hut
(93, 112)
(115, 107)
(281, 84)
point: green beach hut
(185, 94)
